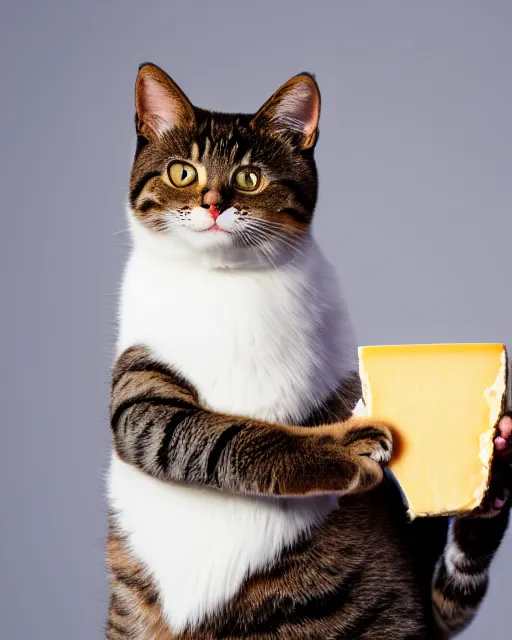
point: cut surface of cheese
(444, 401)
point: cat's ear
(160, 104)
(294, 108)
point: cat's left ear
(294, 108)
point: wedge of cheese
(445, 401)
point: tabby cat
(247, 501)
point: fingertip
(500, 443)
(505, 426)
(499, 503)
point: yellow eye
(247, 179)
(181, 174)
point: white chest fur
(266, 344)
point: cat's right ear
(160, 104)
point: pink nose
(212, 196)
(214, 211)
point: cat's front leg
(462, 572)
(160, 426)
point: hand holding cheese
(445, 401)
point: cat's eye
(181, 174)
(247, 179)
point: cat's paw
(498, 496)
(503, 440)
(501, 482)
(342, 458)
(366, 445)
(370, 439)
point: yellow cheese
(445, 402)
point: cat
(247, 501)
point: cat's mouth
(214, 228)
(221, 222)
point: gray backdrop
(415, 211)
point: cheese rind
(445, 402)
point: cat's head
(217, 183)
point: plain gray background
(415, 211)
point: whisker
(292, 243)
(280, 225)
(266, 246)
(283, 230)
(261, 246)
